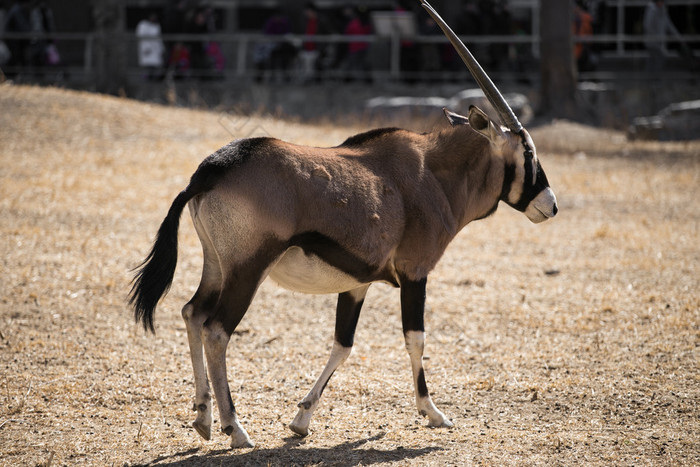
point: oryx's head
(525, 185)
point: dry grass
(571, 342)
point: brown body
(394, 199)
(383, 206)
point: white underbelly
(300, 272)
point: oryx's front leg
(412, 309)
(347, 314)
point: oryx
(382, 206)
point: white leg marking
(300, 424)
(202, 400)
(215, 341)
(415, 342)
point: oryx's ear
(455, 119)
(481, 122)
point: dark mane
(363, 138)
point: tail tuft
(155, 275)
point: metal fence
(518, 56)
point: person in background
(273, 59)
(309, 49)
(18, 21)
(5, 53)
(201, 23)
(356, 61)
(656, 26)
(42, 50)
(179, 61)
(151, 48)
(583, 27)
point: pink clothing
(357, 28)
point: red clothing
(311, 30)
(583, 26)
(357, 28)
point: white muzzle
(542, 207)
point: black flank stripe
(334, 254)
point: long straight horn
(485, 83)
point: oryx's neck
(471, 175)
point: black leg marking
(227, 431)
(323, 388)
(347, 313)
(413, 305)
(421, 385)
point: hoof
(243, 445)
(203, 430)
(299, 430)
(242, 442)
(239, 437)
(441, 424)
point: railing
(79, 59)
(82, 64)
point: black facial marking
(413, 305)
(363, 138)
(531, 191)
(421, 385)
(334, 254)
(508, 177)
(525, 197)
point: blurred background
(604, 62)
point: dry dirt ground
(571, 342)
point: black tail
(155, 274)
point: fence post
(87, 62)
(241, 55)
(395, 63)
(620, 26)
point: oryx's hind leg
(195, 313)
(194, 319)
(240, 284)
(412, 310)
(347, 314)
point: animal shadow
(293, 453)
